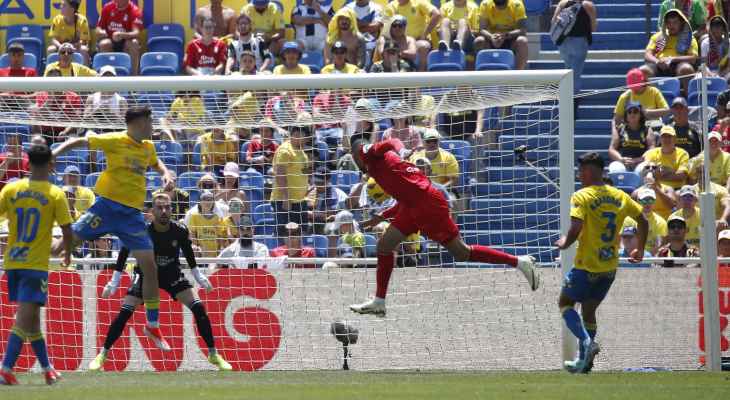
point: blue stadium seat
(251, 178)
(446, 60)
(90, 180)
(64, 161)
(265, 226)
(197, 158)
(713, 85)
(345, 180)
(166, 38)
(320, 243)
(271, 242)
(461, 149)
(511, 189)
(75, 57)
(215, 102)
(122, 62)
(189, 180)
(254, 197)
(522, 206)
(475, 221)
(7, 129)
(371, 243)
(159, 102)
(626, 181)
(529, 238)
(29, 61)
(314, 60)
(262, 211)
(695, 99)
(322, 150)
(154, 180)
(171, 153)
(497, 59)
(669, 87)
(159, 64)
(32, 38)
(533, 7)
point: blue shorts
(581, 285)
(109, 217)
(27, 286)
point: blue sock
(12, 351)
(152, 310)
(39, 348)
(575, 324)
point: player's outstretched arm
(69, 145)
(68, 244)
(186, 245)
(567, 240)
(111, 287)
(168, 180)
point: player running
(31, 207)
(420, 206)
(121, 189)
(597, 213)
(169, 238)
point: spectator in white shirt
(244, 247)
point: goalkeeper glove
(111, 287)
(202, 280)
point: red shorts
(431, 217)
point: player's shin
(575, 324)
(203, 323)
(38, 343)
(151, 294)
(386, 263)
(12, 350)
(489, 255)
(117, 326)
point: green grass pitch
(399, 385)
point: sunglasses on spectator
(208, 26)
(652, 167)
(66, 52)
(633, 111)
(675, 226)
(431, 140)
(647, 201)
(207, 185)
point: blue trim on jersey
(27, 286)
(581, 285)
(107, 216)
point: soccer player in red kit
(420, 207)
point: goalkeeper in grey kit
(169, 238)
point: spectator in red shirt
(13, 160)
(723, 125)
(118, 30)
(293, 246)
(206, 55)
(16, 54)
(261, 149)
(60, 106)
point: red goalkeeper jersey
(400, 179)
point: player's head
(723, 243)
(161, 208)
(357, 142)
(590, 169)
(139, 122)
(39, 156)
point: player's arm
(642, 227)
(68, 243)
(168, 181)
(69, 145)
(111, 287)
(576, 225)
(379, 149)
(186, 245)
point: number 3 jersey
(602, 210)
(31, 208)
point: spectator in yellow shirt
(339, 61)
(444, 166)
(66, 65)
(208, 230)
(689, 211)
(459, 25)
(84, 197)
(291, 54)
(673, 161)
(267, 21)
(719, 162)
(657, 224)
(70, 27)
(652, 101)
(673, 51)
(503, 25)
(187, 109)
(722, 199)
(216, 149)
(422, 19)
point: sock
(486, 254)
(386, 263)
(591, 329)
(574, 323)
(117, 326)
(203, 323)
(15, 345)
(39, 348)
(152, 309)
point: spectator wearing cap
(391, 61)
(310, 19)
(688, 136)
(16, 67)
(208, 182)
(677, 245)
(723, 246)
(631, 140)
(673, 162)
(369, 16)
(647, 197)
(291, 167)
(351, 242)
(343, 27)
(14, 162)
(651, 99)
(224, 19)
(673, 50)
(291, 54)
(206, 55)
(119, 29)
(66, 65)
(106, 107)
(230, 188)
(629, 242)
(719, 162)
(267, 22)
(503, 25)
(84, 197)
(324, 200)
(409, 51)
(339, 63)
(247, 44)
(70, 26)
(444, 165)
(293, 246)
(722, 197)
(666, 197)
(690, 213)
(261, 148)
(693, 10)
(244, 246)
(208, 231)
(459, 25)
(180, 199)
(714, 47)
(422, 19)
(217, 148)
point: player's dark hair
(39, 155)
(359, 139)
(593, 159)
(137, 112)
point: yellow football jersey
(207, 231)
(268, 21)
(502, 20)
(64, 32)
(127, 161)
(657, 230)
(452, 14)
(417, 13)
(694, 224)
(602, 210)
(31, 207)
